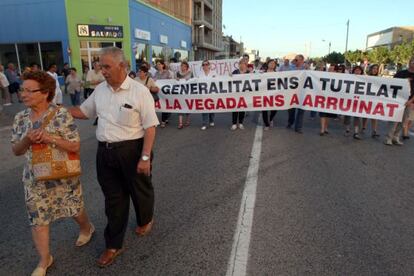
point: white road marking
(237, 264)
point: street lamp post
(329, 46)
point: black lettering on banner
(348, 84)
(308, 83)
(256, 84)
(338, 88)
(237, 83)
(184, 89)
(175, 89)
(359, 88)
(324, 83)
(230, 87)
(294, 83)
(221, 88)
(369, 92)
(282, 83)
(382, 91)
(202, 87)
(271, 84)
(213, 88)
(194, 88)
(247, 86)
(395, 89)
(165, 89)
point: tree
(380, 56)
(354, 56)
(334, 58)
(402, 53)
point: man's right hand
(77, 113)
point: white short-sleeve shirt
(58, 99)
(205, 76)
(123, 114)
(3, 80)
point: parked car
(390, 70)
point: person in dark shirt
(238, 116)
(395, 128)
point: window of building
(159, 52)
(89, 51)
(180, 55)
(44, 54)
(8, 54)
(141, 54)
(51, 53)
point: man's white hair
(115, 52)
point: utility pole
(347, 32)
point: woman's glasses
(31, 91)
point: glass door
(89, 51)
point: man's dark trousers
(119, 180)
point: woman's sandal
(41, 271)
(180, 126)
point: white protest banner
(222, 67)
(346, 94)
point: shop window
(164, 53)
(90, 51)
(8, 54)
(141, 54)
(84, 44)
(180, 55)
(51, 53)
(103, 44)
(28, 53)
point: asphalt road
(324, 206)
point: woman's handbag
(51, 163)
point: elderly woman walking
(41, 125)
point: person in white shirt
(58, 99)
(126, 133)
(94, 77)
(73, 86)
(206, 73)
(4, 87)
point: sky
(279, 27)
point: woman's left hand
(45, 137)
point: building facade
(93, 25)
(74, 31)
(230, 48)
(33, 31)
(390, 37)
(207, 28)
(157, 35)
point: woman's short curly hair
(46, 82)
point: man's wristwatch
(145, 157)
